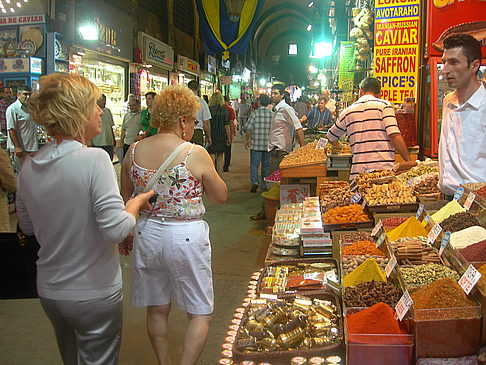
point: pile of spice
(367, 271)
(410, 228)
(426, 274)
(475, 252)
(353, 237)
(443, 293)
(377, 319)
(392, 222)
(414, 251)
(468, 236)
(451, 208)
(481, 192)
(351, 262)
(361, 248)
(371, 293)
(459, 221)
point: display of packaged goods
(292, 276)
(296, 326)
(283, 251)
(376, 335)
(339, 197)
(305, 155)
(447, 322)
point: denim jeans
(257, 158)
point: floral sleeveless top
(180, 193)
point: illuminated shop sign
(396, 51)
(155, 52)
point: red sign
(445, 17)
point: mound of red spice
(475, 252)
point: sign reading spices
(434, 233)
(469, 279)
(444, 242)
(403, 305)
(469, 200)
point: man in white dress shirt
(462, 147)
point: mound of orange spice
(348, 214)
(362, 248)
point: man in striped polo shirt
(373, 132)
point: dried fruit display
(421, 169)
(388, 194)
(339, 197)
(307, 154)
(363, 177)
(348, 214)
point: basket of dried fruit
(277, 330)
(390, 197)
(350, 216)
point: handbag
(18, 269)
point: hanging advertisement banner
(396, 51)
(446, 17)
(346, 71)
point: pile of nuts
(351, 262)
(370, 293)
(352, 237)
(426, 274)
(367, 176)
(307, 154)
(386, 194)
(335, 198)
(414, 251)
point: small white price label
(378, 226)
(444, 242)
(459, 192)
(403, 305)
(469, 279)
(380, 239)
(321, 144)
(356, 198)
(311, 275)
(420, 210)
(363, 203)
(434, 233)
(469, 200)
(390, 266)
(269, 296)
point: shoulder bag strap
(164, 165)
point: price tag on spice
(321, 144)
(377, 228)
(403, 305)
(469, 279)
(390, 266)
(380, 239)
(420, 211)
(363, 203)
(434, 233)
(356, 198)
(469, 200)
(444, 242)
(459, 192)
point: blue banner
(219, 33)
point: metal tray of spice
(278, 330)
(302, 276)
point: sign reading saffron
(396, 50)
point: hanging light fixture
(233, 7)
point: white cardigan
(67, 195)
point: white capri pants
(88, 332)
(172, 260)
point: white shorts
(172, 260)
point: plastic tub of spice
(374, 336)
(447, 322)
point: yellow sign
(396, 51)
